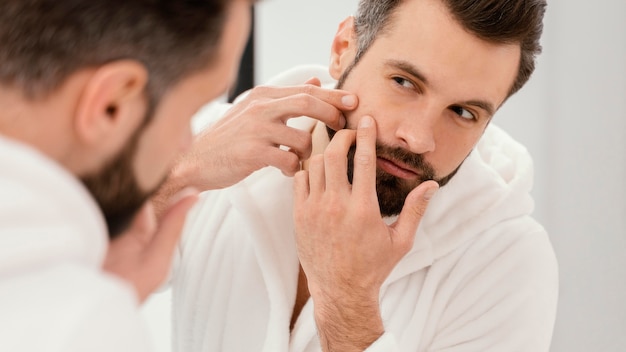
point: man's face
(432, 88)
(140, 168)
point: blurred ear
(343, 49)
(111, 107)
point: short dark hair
(497, 21)
(42, 42)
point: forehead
(424, 33)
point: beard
(392, 190)
(115, 187)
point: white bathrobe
(53, 295)
(482, 275)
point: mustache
(396, 154)
(415, 161)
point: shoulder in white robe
(54, 296)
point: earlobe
(112, 104)
(343, 49)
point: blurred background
(572, 118)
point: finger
(144, 225)
(314, 81)
(300, 187)
(364, 178)
(166, 238)
(303, 104)
(311, 87)
(414, 209)
(286, 161)
(298, 141)
(336, 160)
(340, 100)
(317, 175)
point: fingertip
(366, 121)
(181, 203)
(349, 101)
(314, 81)
(182, 195)
(431, 190)
(342, 122)
(300, 175)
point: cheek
(451, 149)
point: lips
(397, 168)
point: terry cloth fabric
(482, 275)
(54, 296)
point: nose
(415, 130)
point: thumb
(171, 225)
(414, 208)
(314, 81)
(144, 225)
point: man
(363, 263)
(96, 102)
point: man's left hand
(142, 255)
(345, 248)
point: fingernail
(366, 121)
(348, 101)
(430, 193)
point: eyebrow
(410, 69)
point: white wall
(296, 32)
(572, 118)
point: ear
(111, 107)
(343, 49)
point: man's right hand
(249, 136)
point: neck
(36, 123)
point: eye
(404, 82)
(464, 113)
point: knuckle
(303, 102)
(333, 205)
(309, 89)
(333, 155)
(255, 107)
(364, 133)
(316, 161)
(291, 163)
(363, 159)
(260, 91)
(303, 141)
(248, 152)
(344, 134)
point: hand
(143, 254)
(248, 137)
(345, 248)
